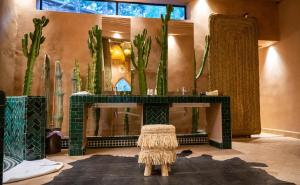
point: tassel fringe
(157, 157)
(158, 136)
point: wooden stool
(158, 147)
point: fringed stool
(158, 147)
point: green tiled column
(76, 120)
(24, 136)
(226, 123)
(2, 105)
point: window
(141, 10)
(112, 8)
(80, 6)
(123, 85)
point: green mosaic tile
(156, 114)
(2, 106)
(156, 110)
(24, 135)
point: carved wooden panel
(234, 69)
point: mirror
(117, 76)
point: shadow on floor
(203, 170)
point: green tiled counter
(155, 111)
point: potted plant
(26, 115)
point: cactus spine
(76, 79)
(195, 110)
(37, 39)
(95, 69)
(143, 46)
(58, 104)
(162, 72)
(46, 79)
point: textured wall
(234, 70)
(279, 73)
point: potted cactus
(26, 115)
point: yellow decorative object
(127, 52)
(117, 53)
(126, 46)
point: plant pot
(53, 142)
(24, 135)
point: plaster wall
(279, 74)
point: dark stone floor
(201, 170)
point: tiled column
(219, 126)
(226, 123)
(2, 105)
(24, 136)
(76, 145)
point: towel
(30, 169)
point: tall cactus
(76, 79)
(90, 78)
(95, 47)
(46, 79)
(31, 54)
(143, 46)
(195, 111)
(58, 104)
(203, 61)
(127, 109)
(162, 72)
(95, 69)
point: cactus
(37, 39)
(76, 79)
(58, 104)
(95, 47)
(162, 72)
(127, 109)
(195, 110)
(46, 79)
(143, 46)
(95, 69)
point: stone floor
(280, 154)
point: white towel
(30, 169)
